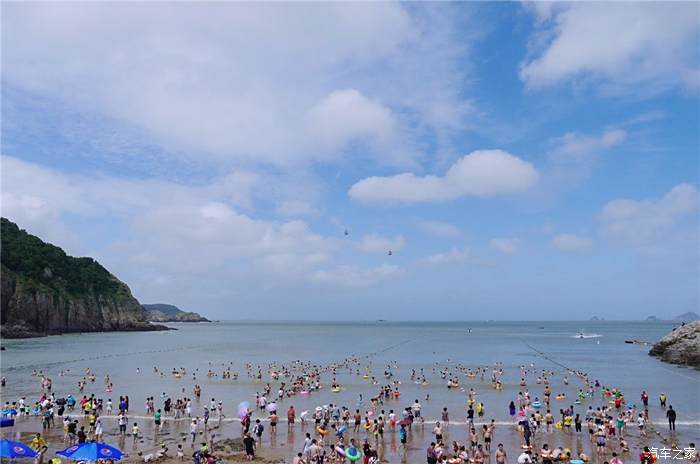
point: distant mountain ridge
(45, 291)
(685, 317)
(160, 312)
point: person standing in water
(501, 456)
(671, 415)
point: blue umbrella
(91, 452)
(15, 449)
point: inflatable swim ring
(321, 431)
(353, 454)
(536, 405)
(337, 390)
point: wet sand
(283, 446)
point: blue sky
(521, 160)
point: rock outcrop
(681, 346)
(44, 291)
(170, 313)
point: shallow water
(410, 344)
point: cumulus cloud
(172, 228)
(571, 242)
(375, 243)
(577, 147)
(506, 246)
(481, 173)
(356, 277)
(345, 116)
(281, 84)
(650, 223)
(439, 229)
(453, 256)
(620, 44)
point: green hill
(46, 291)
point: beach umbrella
(91, 452)
(405, 422)
(243, 407)
(15, 449)
(271, 407)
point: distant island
(169, 313)
(596, 318)
(45, 291)
(685, 317)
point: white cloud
(256, 83)
(296, 208)
(172, 228)
(355, 277)
(577, 147)
(375, 243)
(480, 173)
(453, 256)
(345, 116)
(621, 44)
(571, 242)
(650, 223)
(439, 229)
(507, 246)
(572, 159)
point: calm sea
(416, 345)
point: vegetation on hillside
(35, 261)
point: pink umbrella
(243, 409)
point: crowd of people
(336, 433)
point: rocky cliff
(170, 313)
(681, 346)
(44, 291)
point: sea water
(411, 345)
